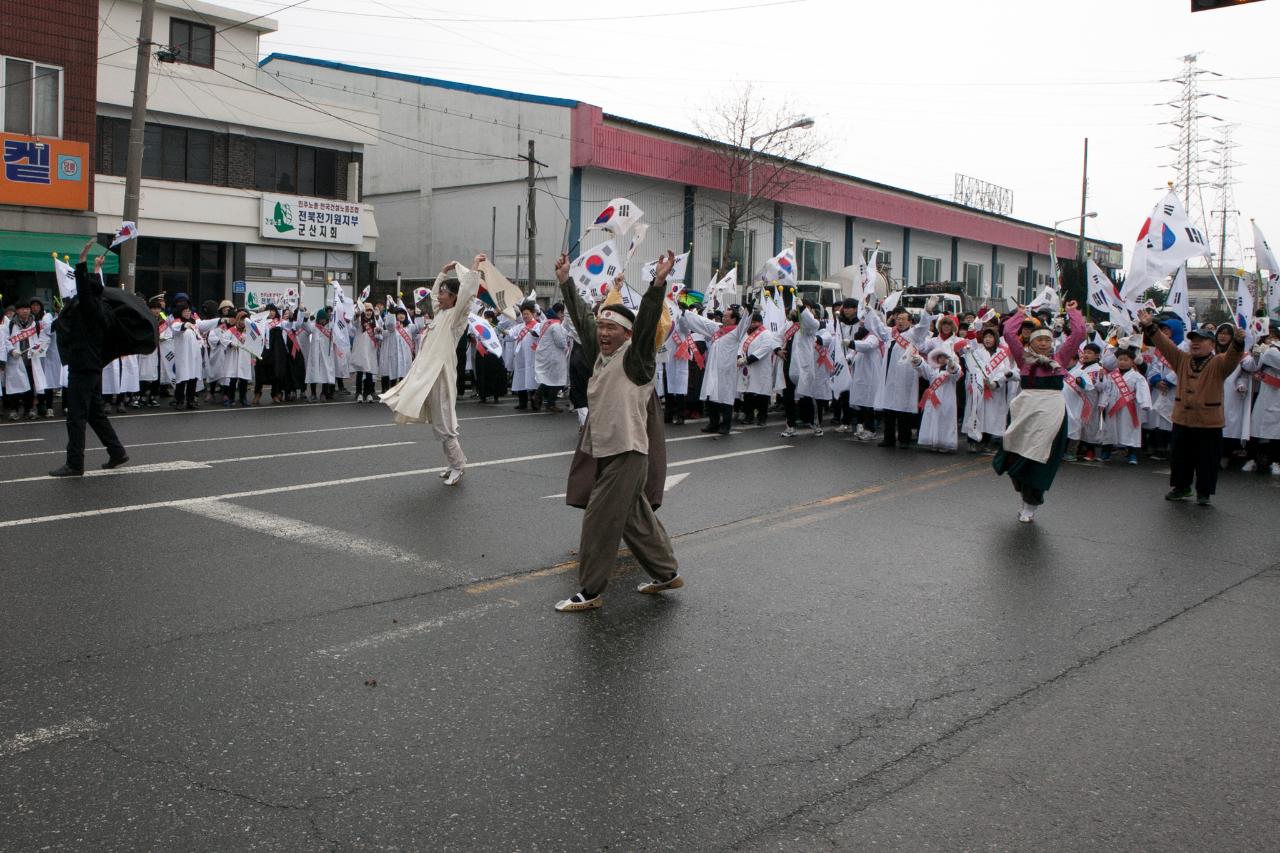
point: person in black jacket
(80, 330)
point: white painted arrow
(673, 480)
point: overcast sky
(906, 92)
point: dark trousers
(673, 408)
(184, 393)
(1194, 458)
(364, 385)
(897, 427)
(719, 416)
(84, 405)
(799, 409)
(548, 394)
(867, 418)
(235, 389)
(755, 407)
(843, 411)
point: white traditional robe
(18, 354)
(364, 352)
(757, 376)
(436, 364)
(1119, 430)
(1265, 423)
(671, 375)
(237, 362)
(523, 375)
(811, 381)
(720, 376)
(121, 376)
(399, 343)
(52, 359)
(187, 347)
(898, 392)
(318, 352)
(1160, 415)
(551, 354)
(938, 423)
(1237, 401)
(868, 371)
(987, 403)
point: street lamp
(803, 123)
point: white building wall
(663, 206)
(799, 223)
(865, 234)
(975, 253)
(432, 175)
(928, 245)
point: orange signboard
(44, 172)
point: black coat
(81, 324)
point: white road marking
(309, 452)
(185, 465)
(202, 440)
(26, 741)
(296, 530)
(416, 629)
(214, 409)
(21, 441)
(298, 487)
(673, 480)
(154, 468)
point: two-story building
(249, 188)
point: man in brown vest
(614, 444)
(1197, 409)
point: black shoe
(115, 462)
(724, 430)
(66, 471)
(886, 444)
(709, 429)
(1177, 494)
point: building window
(32, 98)
(738, 254)
(885, 262)
(973, 280)
(192, 42)
(288, 168)
(168, 153)
(1023, 287)
(813, 258)
(928, 270)
(997, 281)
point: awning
(32, 251)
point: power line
(607, 18)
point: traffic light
(1206, 5)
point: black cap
(1201, 332)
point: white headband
(1041, 333)
(615, 317)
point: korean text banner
(44, 172)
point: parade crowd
(940, 382)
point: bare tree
(756, 152)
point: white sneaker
(1249, 467)
(788, 432)
(445, 473)
(1275, 469)
(1027, 514)
(842, 428)
(454, 475)
(817, 430)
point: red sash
(999, 357)
(542, 330)
(930, 395)
(404, 336)
(722, 331)
(239, 335)
(790, 333)
(1268, 379)
(528, 328)
(29, 332)
(901, 341)
(1128, 400)
(294, 347)
(1086, 408)
(824, 357)
(684, 346)
(746, 344)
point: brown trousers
(618, 504)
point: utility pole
(137, 131)
(1187, 158)
(531, 223)
(1084, 206)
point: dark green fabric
(1025, 472)
(30, 251)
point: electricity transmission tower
(1226, 217)
(1188, 180)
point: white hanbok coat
(1237, 394)
(364, 352)
(237, 362)
(986, 403)
(121, 376)
(868, 371)
(671, 375)
(436, 364)
(551, 354)
(720, 375)
(52, 360)
(187, 345)
(1119, 429)
(756, 377)
(811, 380)
(16, 358)
(938, 423)
(1265, 423)
(317, 350)
(899, 390)
(1160, 415)
(396, 354)
(523, 377)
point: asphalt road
(277, 630)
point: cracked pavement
(870, 654)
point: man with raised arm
(614, 444)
